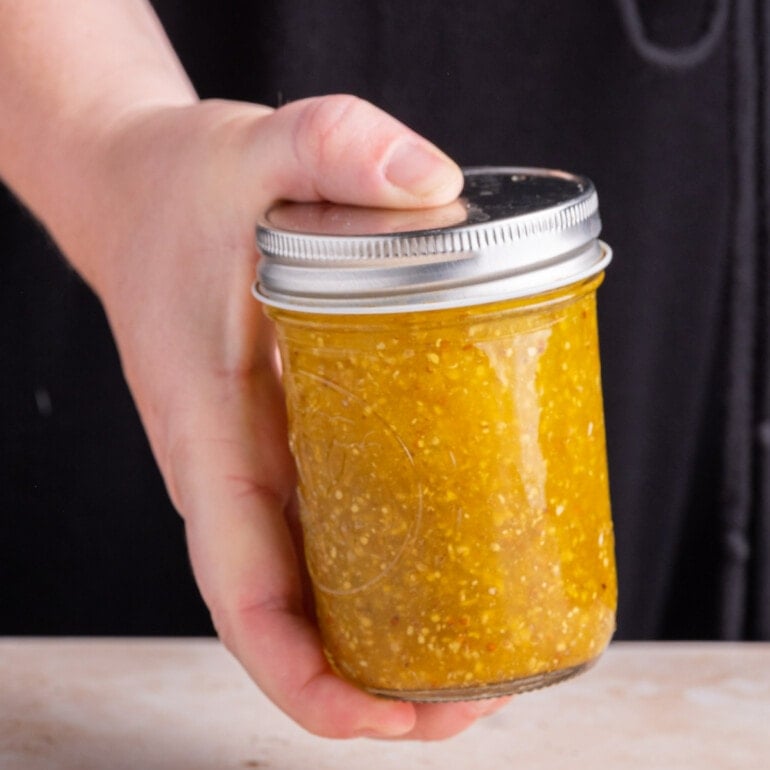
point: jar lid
(514, 232)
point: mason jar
(442, 379)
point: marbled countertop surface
(187, 705)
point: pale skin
(153, 195)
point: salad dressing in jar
(442, 380)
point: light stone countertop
(187, 705)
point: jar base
(477, 692)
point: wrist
(133, 185)
(67, 75)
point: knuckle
(326, 125)
(223, 628)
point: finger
(343, 149)
(437, 721)
(233, 493)
(489, 706)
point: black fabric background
(88, 540)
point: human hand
(167, 241)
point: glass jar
(442, 379)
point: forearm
(68, 72)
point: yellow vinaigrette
(453, 492)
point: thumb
(343, 149)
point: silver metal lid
(514, 232)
